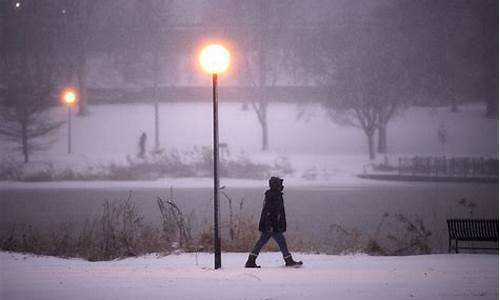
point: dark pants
(264, 238)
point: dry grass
(120, 231)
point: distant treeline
(203, 94)
(282, 94)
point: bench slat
(472, 230)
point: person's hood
(276, 184)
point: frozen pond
(312, 213)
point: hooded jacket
(272, 218)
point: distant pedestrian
(142, 145)
(272, 224)
(443, 136)
(442, 133)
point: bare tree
(23, 118)
(29, 77)
(488, 12)
(148, 49)
(359, 65)
(461, 57)
(448, 46)
(158, 33)
(79, 26)
(264, 36)
(369, 63)
(398, 44)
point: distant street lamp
(214, 59)
(69, 97)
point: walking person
(272, 224)
(142, 145)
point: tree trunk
(24, 137)
(157, 126)
(382, 139)
(492, 107)
(83, 108)
(371, 146)
(156, 71)
(454, 105)
(262, 116)
(265, 136)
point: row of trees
(46, 46)
(372, 59)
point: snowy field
(191, 276)
(115, 129)
(320, 151)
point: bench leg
(456, 246)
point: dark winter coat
(272, 218)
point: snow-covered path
(190, 276)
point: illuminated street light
(214, 59)
(69, 98)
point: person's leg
(264, 238)
(280, 239)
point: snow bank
(190, 276)
(333, 183)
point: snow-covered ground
(115, 129)
(319, 151)
(191, 276)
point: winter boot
(289, 262)
(251, 261)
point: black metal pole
(217, 243)
(69, 129)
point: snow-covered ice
(191, 276)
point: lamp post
(214, 59)
(69, 98)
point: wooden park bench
(480, 230)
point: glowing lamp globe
(214, 59)
(69, 97)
